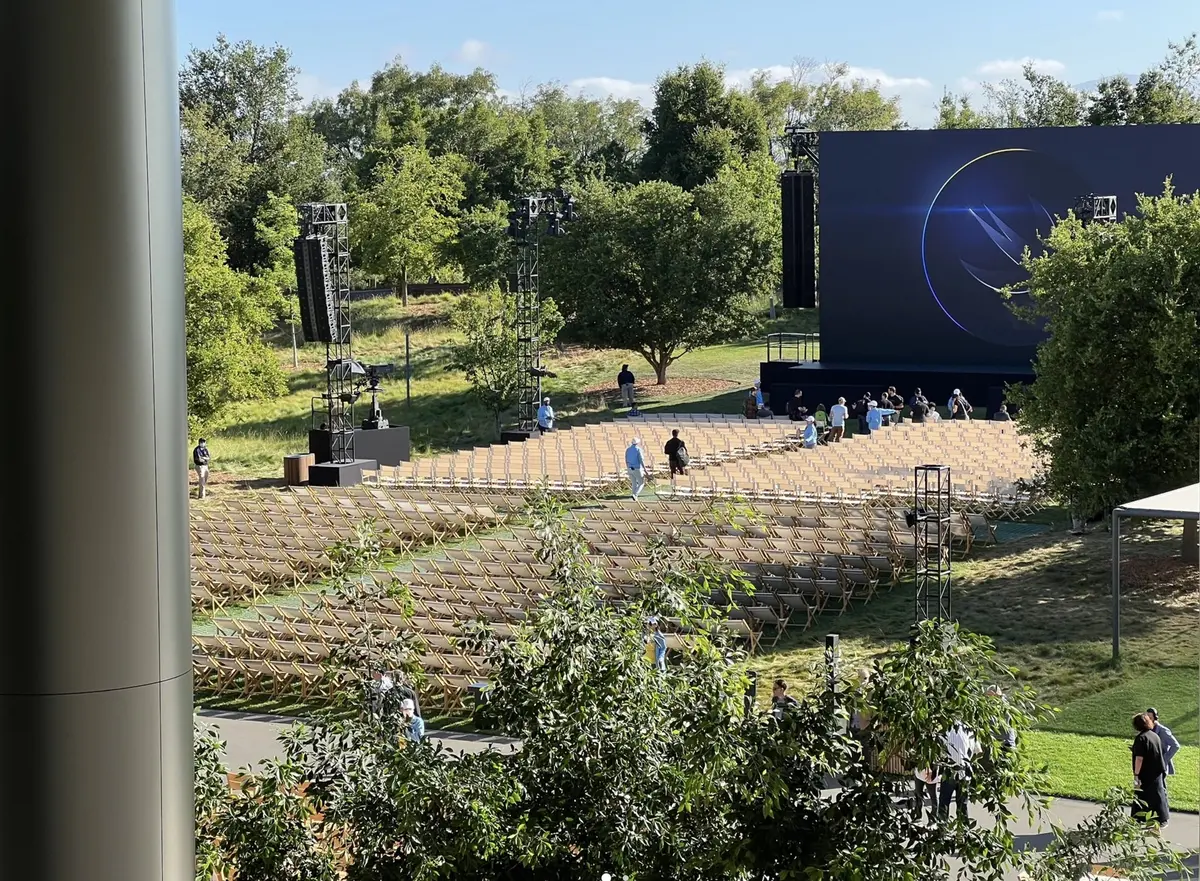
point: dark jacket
(200, 455)
(625, 377)
(795, 409)
(672, 448)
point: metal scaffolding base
(930, 522)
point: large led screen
(921, 230)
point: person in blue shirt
(810, 433)
(545, 416)
(659, 639)
(1170, 743)
(875, 415)
(758, 396)
(412, 726)
(636, 463)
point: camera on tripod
(374, 374)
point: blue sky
(913, 49)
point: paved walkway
(250, 738)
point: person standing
(959, 406)
(875, 414)
(412, 726)
(625, 382)
(1170, 743)
(545, 416)
(1149, 774)
(927, 787)
(677, 454)
(658, 638)
(200, 457)
(838, 414)
(636, 463)
(961, 749)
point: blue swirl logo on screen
(977, 229)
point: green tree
(482, 247)
(1115, 409)
(589, 137)
(404, 221)
(661, 271)
(1152, 100)
(955, 111)
(214, 169)
(227, 313)
(246, 90)
(1036, 100)
(486, 348)
(698, 126)
(276, 229)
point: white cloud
(611, 87)
(886, 81)
(472, 51)
(775, 73)
(1110, 15)
(1014, 66)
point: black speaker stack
(318, 315)
(799, 240)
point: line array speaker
(799, 240)
(318, 315)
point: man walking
(838, 414)
(625, 382)
(677, 454)
(545, 416)
(875, 414)
(412, 726)
(809, 437)
(200, 461)
(636, 463)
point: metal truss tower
(930, 523)
(550, 209)
(328, 221)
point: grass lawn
(252, 438)
(1087, 767)
(1044, 600)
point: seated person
(810, 435)
(1001, 415)
(750, 406)
(795, 407)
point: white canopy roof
(1178, 504)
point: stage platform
(824, 382)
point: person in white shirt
(545, 416)
(636, 463)
(961, 749)
(837, 420)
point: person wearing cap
(875, 415)
(636, 463)
(810, 433)
(412, 726)
(1170, 743)
(959, 406)
(545, 416)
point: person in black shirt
(1001, 415)
(1149, 774)
(919, 408)
(200, 457)
(781, 701)
(625, 381)
(677, 454)
(795, 407)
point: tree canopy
(660, 271)
(227, 313)
(1115, 409)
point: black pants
(925, 790)
(952, 788)
(1150, 801)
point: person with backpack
(677, 454)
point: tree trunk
(1191, 550)
(295, 351)
(404, 286)
(660, 372)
